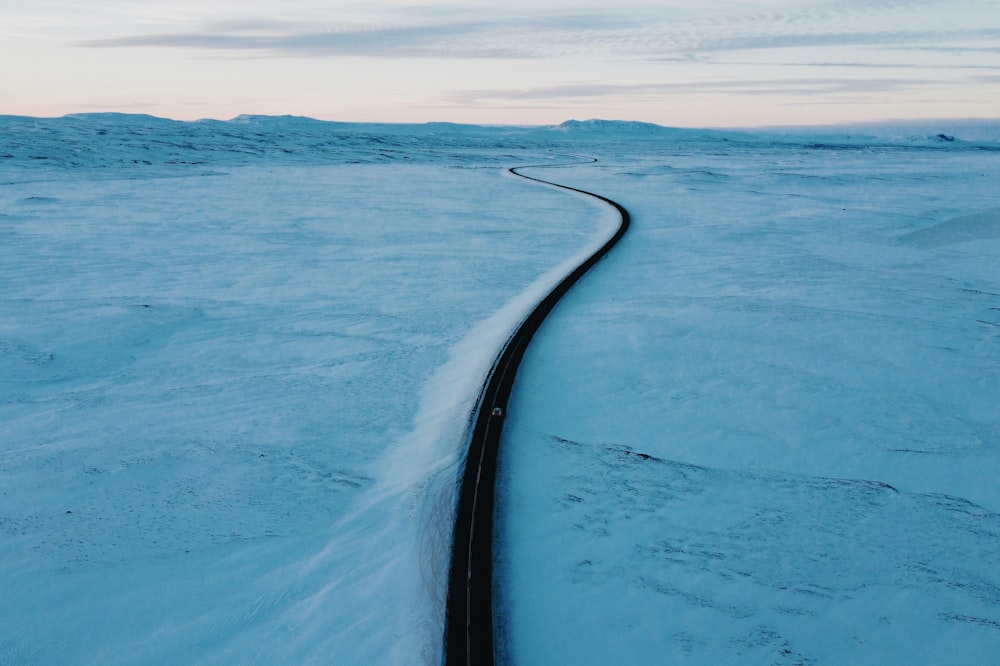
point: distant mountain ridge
(611, 126)
(969, 129)
(141, 141)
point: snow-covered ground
(237, 361)
(767, 428)
(233, 395)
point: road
(469, 624)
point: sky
(711, 63)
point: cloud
(786, 87)
(650, 36)
(923, 38)
(855, 64)
(443, 40)
(952, 48)
(518, 38)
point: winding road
(469, 623)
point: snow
(234, 399)
(238, 358)
(765, 429)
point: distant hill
(973, 130)
(139, 141)
(611, 127)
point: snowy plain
(234, 394)
(237, 361)
(765, 429)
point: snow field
(237, 362)
(214, 446)
(764, 430)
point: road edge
(469, 635)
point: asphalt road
(469, 624)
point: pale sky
(699, 63)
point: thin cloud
(858, 65)
(810, 87)
(648, 37)
(446, 40)
(536, 37)
(963, 50)
(817, 39)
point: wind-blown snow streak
(470, 620)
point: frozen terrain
(765, 429)
(233, 394)
(237, 361)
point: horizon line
(248, 116)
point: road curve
(469, 623)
